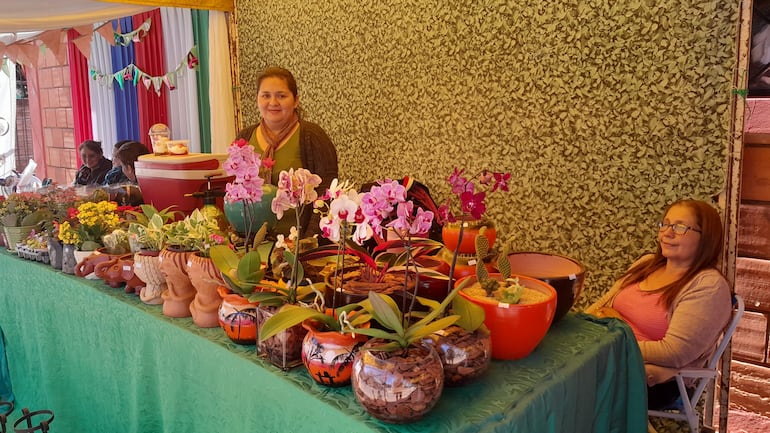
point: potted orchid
(247, 196)
(295, 191)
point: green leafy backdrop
(604, 111)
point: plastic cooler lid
(148, 173)
(191, 161)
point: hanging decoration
(133, 75)
(134, 36)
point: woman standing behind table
(95, 165)
(291, 142)
(675, 300)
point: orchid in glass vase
(246, 196)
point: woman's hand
(607, 312)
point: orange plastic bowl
(516, 329)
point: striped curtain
(178, 41)
(103, 98)
(81, 104)
(197, 104)
(126, 102)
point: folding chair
(703, 376)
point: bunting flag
(55, 41)
(133, 74)
(107, 32)
(134, 36)
(83, 43)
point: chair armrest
(697, 373)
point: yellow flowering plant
(91, 221)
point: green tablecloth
(105, 362)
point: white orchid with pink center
(344, 211)
(296, 188)
(243, 162)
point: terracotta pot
(179, 291)
(399, 386)
(206, 279)
(450, 235)
(564, 274)
(464, 355)
(237, 317)
(87, 261)
(284, 350)
(147, 268)
(516, 329)
(328, 355)
(111, 270)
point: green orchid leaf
(249, 266)
(375, 333)
(291, 315)
(471, 315)
(385, 313)
(224, 258)
(416, 333)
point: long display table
(105, 362)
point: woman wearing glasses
(675, 300)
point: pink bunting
(83, 43)
(12, 52)
(107, 33)
(30, 52)
(85, 29)
(52, 39)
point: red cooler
(166, 179)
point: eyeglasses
(679, 229)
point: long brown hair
(706, 256)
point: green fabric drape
(200, 20)
(105, 362)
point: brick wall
(52, 116)
(751, 369)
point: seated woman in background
(115, 175)
(95, 165)
(125, 191)
(291, 142)
(676, 302)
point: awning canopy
(37, 15)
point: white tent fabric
(183, 101)
(36, 15)
(102, 98)
(220, 86)
(7, 116)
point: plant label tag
(503, 305)
(472, 262)
(189, 263)
(572, 277)
(126, 268)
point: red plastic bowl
(518, 328)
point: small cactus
(482, 275)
